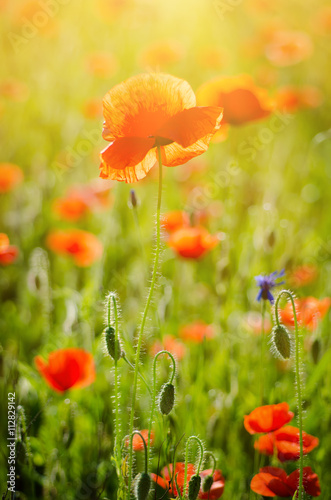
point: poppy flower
(286, 441)
(165, 482)
(171, 344)
(171, 221)
(161, 54)
(151, 110)
(303, 275)
(71, 368)
(267, 282)
(197, 332)
(92, 109)
(81, 200)
(8, 253)
(84, 247)
(137, 444)
(268, 418)
(101, 64)
(217, 488)
(242, 100)
(10, 176)
(291, 99)
(288, 48)
(309, 312)
(192, 242)
(273, 481)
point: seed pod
(194, 487)
(142, 486)
(111, 343)
(166, 398)
(282, 341)
(207, 483)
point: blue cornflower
(266, 282)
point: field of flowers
(165, 249)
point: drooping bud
(194, 487)
(315, 351)
(166, 398)
(281, 340)
(207, 483)
(113, 344)
(133, 198)
(142, 486)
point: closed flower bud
(194, 487)
(316, 350)
(281, 341)
(113, 346)
(166, 398)
(142, 486)
(133, 198)
(207, 483)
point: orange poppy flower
(197, 332)
(8, 253)
(10, 176)
(84, 247)
(149, 110)
(137, 444)
(273, 481)
(102, 64)
(171, 344)
(303, 275)
(161, 54)
(291, 99)
(71, 368)
(171, 221)
(286, 442)
(81, 200)
(268, 418)
(92, 109)
(288, 48)
(192, 242)
(241, 99)
(309, 312)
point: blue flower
(266, 282)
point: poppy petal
(143, 103)
(259, 484)
(188, 126)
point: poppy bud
(133, 198)
(194, 487)
(281, 341)
(142, 486)
(315, 350)
(207, 483)
(167, 398)
(113, 345)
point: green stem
(145, 447)
(262, 361)
(154, 392)
(297, 376)
(149, 298)
(186, 459)
(117, 409)
(210, 454)
(140, 375)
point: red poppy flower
(171, 344)
(164, 480)
(268, 418)
(171, 221)
(309, 312)
(150, 110)
(137, 444)
(84, 247)
(10, 176)
(71, 368)
(216, 491)
(192, 242)
(81, 200)
(272, 481)
(289, 47)
(8, 253)
(197, 332)
(303, 275)
(286, 441)
(241, 99)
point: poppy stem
(154, 393)
(149, 298)
(145, 447)
(297, 376)
(262, 361)
(186, 460)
